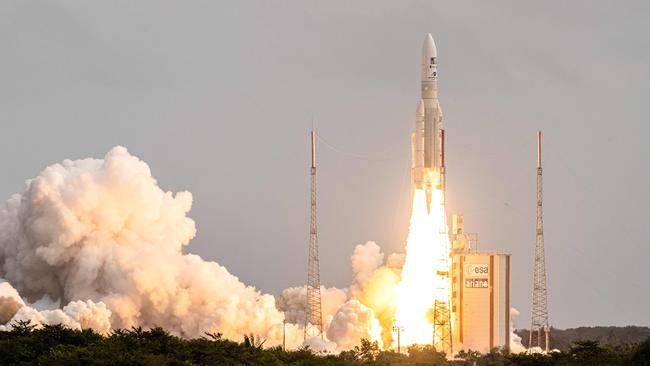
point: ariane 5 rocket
(427, 145)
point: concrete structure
(480, 294)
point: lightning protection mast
(313, 318)
(539, 306)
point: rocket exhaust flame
(424, 277)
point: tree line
(54, 345)
(562, 339)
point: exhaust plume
(424, 276)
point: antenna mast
(313, 318)
(539, 306)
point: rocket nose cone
(428, 61)
(429, 47)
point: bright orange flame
(424, 275)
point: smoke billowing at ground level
(95, 243)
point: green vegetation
(563, 339)
(54, 345)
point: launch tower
(313, 311)
(539, 307)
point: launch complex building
(480, 298)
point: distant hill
(606, 336)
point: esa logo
(475, 270)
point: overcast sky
(218, 97)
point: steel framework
(313, 311)
(442, 340)
(539, 303)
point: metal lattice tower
(442, 340)
(313, 311)
(539, 306)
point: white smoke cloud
(366, 259)
(75, 315)
(95, 243)
(10, 302)
(8, 292)
(293, 300)
(364, 310)
(8, 308)
(353, 321)
(515, 341)
(100, 235)
(375, 284)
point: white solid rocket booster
(427, 142)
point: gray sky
(218, 98)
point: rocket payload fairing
(428, 166)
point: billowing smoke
(292, 302)
(365, 310)
(96, 243)
(515, 341)
(10, 302)
(8, 308)
(366, 259)
(101, 238)
(375, 284)
(353, 321)
(75, 315)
